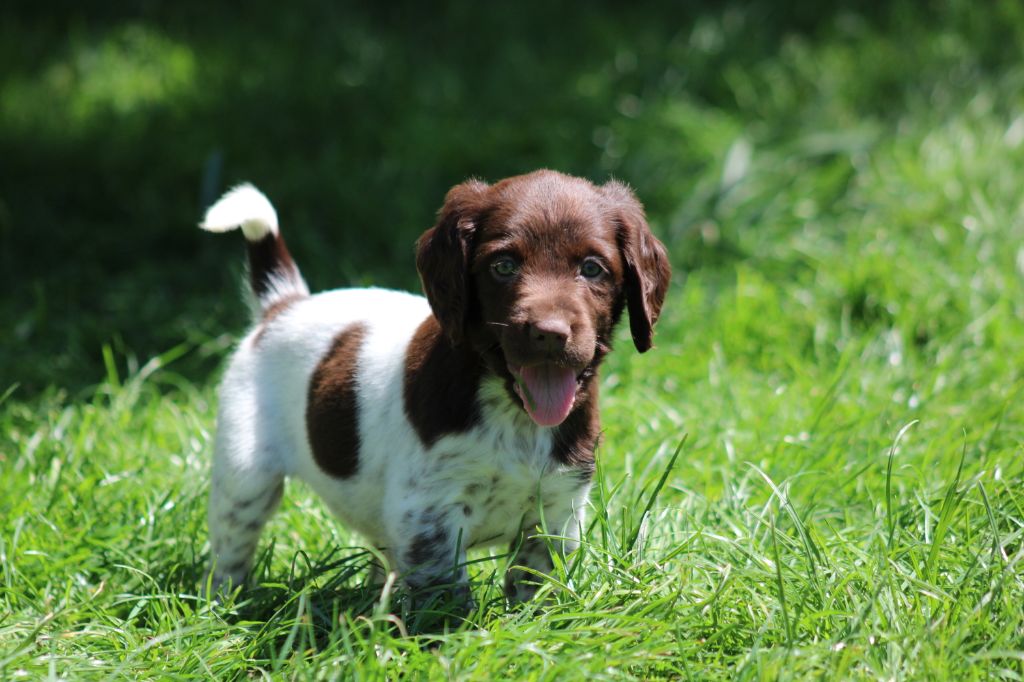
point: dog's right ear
(443, 255)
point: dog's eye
(591, 268)
(504, 267)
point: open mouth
(548, 391)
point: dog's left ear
(647, 268)
(443, 253)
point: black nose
(549, 335)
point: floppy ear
(647, 270)
(443, 253)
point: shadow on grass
(119, 124)
(322, 599)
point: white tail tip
(246, 207)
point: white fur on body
(484, 486)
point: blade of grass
(654, 494)
(890, 517)
(950, 502)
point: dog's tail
(272, 272)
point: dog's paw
(521, 586)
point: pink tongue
(548, 393)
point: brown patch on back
(441, 383)
(332, 413)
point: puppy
(435, 425)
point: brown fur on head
(537, 268)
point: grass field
(840, 363)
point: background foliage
(839, 185)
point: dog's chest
(492, 480)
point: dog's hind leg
(245, 491)
(237, 515)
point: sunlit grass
(125, 72)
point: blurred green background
(120, 122)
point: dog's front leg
(432, 560)
(531, 559)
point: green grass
(841, 355)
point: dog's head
(534, 273)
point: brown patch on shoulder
(577, 437)
(332, 413)
(272, 312)
(441, 383)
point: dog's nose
(550, 334)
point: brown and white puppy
(435, 425)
